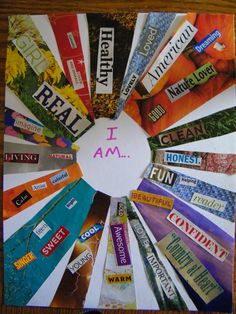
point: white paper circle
(113, 155)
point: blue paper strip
(156, 26)
(209, 197)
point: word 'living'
(110, 151)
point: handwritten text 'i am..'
(110, 151)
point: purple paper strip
(120, 245)
(160, 227)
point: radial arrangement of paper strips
(120, 161)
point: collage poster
(119, 185)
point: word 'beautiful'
(152, 199)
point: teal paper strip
(20, 285)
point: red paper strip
(67, 33)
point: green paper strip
(166, 294)
(217, 124)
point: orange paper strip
(22, 196)
(180, 80)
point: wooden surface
(8, 7)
